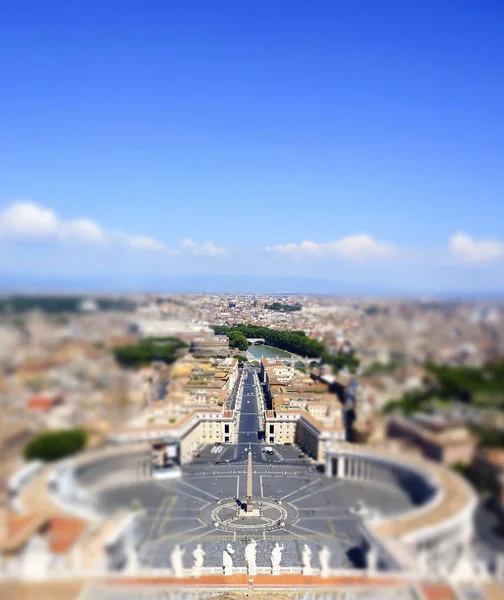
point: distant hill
(134, 283)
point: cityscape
(251, 300)
(149, 444)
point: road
(248, 428)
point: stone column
(329, 466)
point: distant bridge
(290, 361)
(255, 341)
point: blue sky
(358, 141)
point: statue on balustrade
(176, 561)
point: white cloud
(82, 229)
(25, 219)
(143, 243)
(28, 220)
(188, 244)
(353, 247)
(473, 251)
(207, 248)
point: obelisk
(249, 482)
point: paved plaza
(297, 504)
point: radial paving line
(169, 536)
(295, 491)
(199, 536)
(316, 533)
(329, 487)
(184, 538)
(331, 526)
(164, 521)
(150, 535)
(199, 490)
(182, 493)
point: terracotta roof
(20, 529)
(41, 402)
(63, 533)
(16, 524)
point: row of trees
(55, 445)
(58, 304)
(482, 385)
(296, 342)
(465, 383)
(165, 349)
(278, 306)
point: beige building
(203, 382)
(280, 426)
(192, 430)
(437, 439)
(275, 371)
(302, 427)
(312, 434)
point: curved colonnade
(440, 523)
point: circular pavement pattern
(268, 514)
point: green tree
(238, 340)
(148, 350)
(55, 445)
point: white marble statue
(176, 561)
(36, 559)
(276, 558)
(132, 556)
(324, 557)
(423, 563)
(466, 568)
(372, 558)
(499, 567)
(199, 557)
(307, 554)
(250, 557)
(227, 560)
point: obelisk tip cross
(249, 481)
